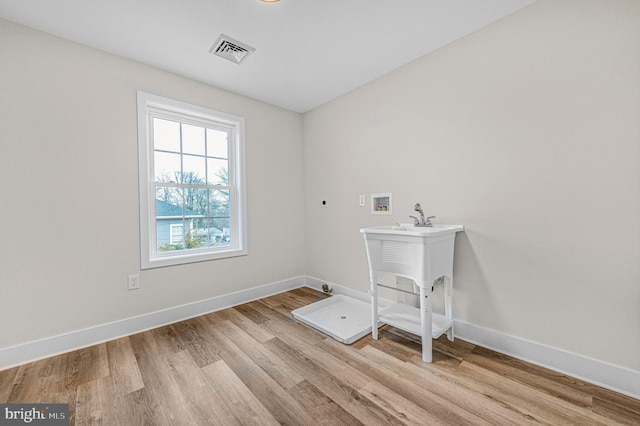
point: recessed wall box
(381, 203)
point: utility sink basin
(410, 229)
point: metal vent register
(230, 49)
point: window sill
(183, 259)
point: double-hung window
(191, 176)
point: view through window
(192, 174)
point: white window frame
(148, 106)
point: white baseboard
(606, 375)
(32, 351)
(610, 376)
(316, 284)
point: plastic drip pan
(344, 318)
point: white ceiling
(307, 51)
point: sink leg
(425, 320)
(448, 308)
(374, 306)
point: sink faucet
(422, 221)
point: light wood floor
(253, 364)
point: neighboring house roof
(166, 210)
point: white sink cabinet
(422, 254)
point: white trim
(316, 284)
(609, 376)
(32, 351)
(601, 373)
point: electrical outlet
(134, 282)
(361, 200)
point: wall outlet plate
(134, 282)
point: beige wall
(69, 204)
(528, 133)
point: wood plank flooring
(255, 365)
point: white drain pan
(344, 318)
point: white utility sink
(410, 229)
(423, 254)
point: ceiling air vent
(230, 49)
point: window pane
(223, 236)
(192, 139)
(194, 169)
(169, 202)
(182, 236)
(217, 143)
(166, 166)
(204, 229)
(169, 219)
(166, 135)
(192, 238)
(219, 206)
(217, 171)
(196, 202)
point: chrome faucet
(422, 221)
